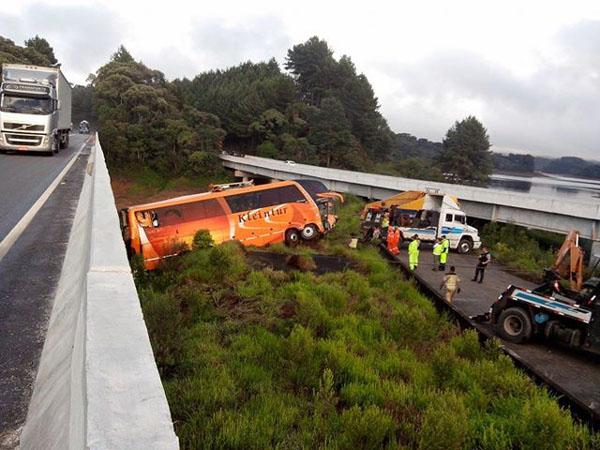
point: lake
(548, 186)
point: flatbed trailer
(520, 314)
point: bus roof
(205, 195)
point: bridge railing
(98, 385)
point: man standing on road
(437, 251)
(451, 283)
(413, 253)
(445, 244)
(484, 260)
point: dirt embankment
(128, 193)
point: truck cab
(35, 109)
(429, 216)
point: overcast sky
(530, 71)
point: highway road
(25, 176)
(31, 266)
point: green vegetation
(465, 155)
(36, 51)
(255, 359)
(526, 251)
(142, 123)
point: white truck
(428, 215)
(35, 109)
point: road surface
(30, 270)
(577, 374)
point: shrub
(368, 428)
(202, 240)
(445, 424)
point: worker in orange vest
(393, 240)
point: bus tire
(465, 246)
(309, 232)
(514, 325)
(292, 237)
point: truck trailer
(35, 109)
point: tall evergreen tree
(465, 156)
(42, 46)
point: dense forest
(317, 109)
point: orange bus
(286, 211)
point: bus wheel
(309, 232)
(292, 236)
(514, 325)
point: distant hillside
(513, 162)
(406, 146)
(569, 165)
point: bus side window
(164, 217)
(448, 217)
(202, 210)
(242, 202)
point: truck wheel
(309, 232)
(465, 246)
(55, 145)
(292, 237)
(514, 325)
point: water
(549, 186)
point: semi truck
(35, 109)
(429, 215)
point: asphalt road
(25, 176)
(30, 271)
(572, 372)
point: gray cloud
(83, 36)
(256, 39)
(554, 110)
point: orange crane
(569, 261)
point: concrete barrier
(97, 386)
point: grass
(524, 251)
(255, 359)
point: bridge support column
(494, 213)
(595, 251)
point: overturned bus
(286, 211)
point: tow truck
(570, 315)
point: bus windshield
(25, 105)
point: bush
(267, 150)
(354, 359)
(202, 240)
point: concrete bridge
(76, 366)
(541, 213)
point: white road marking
(18, 229)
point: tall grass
(520, 249)
(357, 359)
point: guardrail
(97, 386)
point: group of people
(451, 282)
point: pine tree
(465, 156)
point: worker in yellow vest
(445, 244)
(413, 253)
(437, 251)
